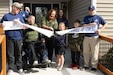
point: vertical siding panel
(4, 7)
(77, 9)
(104, 8)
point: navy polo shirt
(24, 14)
(91, 19)
(13, 34)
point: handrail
(106, 38)
(101, 67)
(3, 43)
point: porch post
(94, 2)
(10, 4)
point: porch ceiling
(46, 0)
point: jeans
(14, 53)
(75, 56)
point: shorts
(60, 50)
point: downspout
(94, 3)
(10, 5)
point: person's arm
(103, 23)
(100, 29)
(90, 24)
(45, 26)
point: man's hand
(27, 9)
(43, 40)
(16, 21)
(51, 28)
(2, 24)
(98, 31)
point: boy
(75, 44)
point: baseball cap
(91, 8)
(18, 5)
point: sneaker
(59, 68)
(81, 68)
(75, 67)
(46, 61)
(20, 71)
(35, 63)
(86, 68)
(10, 72)
(94, 69)
(71, 65)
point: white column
(94, 3)
(10, 4)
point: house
(75, 9)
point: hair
(62, 23)
(31, 16)
(63, 17)
(78, 21)
(49, 14)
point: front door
(40, 10)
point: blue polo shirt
(24, 14)
(91, 19)
(13, 34)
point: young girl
(60, 47)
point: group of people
(86, 44)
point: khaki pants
(91, 51)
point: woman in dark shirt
(61, 18)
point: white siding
(104, 8)
(4, 7)
(77, 9)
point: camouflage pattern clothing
(75, 42)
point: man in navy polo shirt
(91, 40)
(13, 40)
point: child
(31, 40)
(60, 47)
(75, 44)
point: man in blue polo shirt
(13, 40)
(91, 40)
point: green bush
(107, 59)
